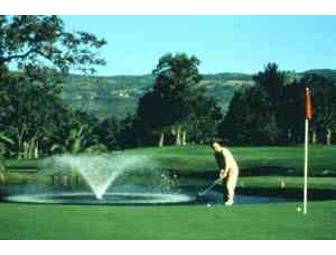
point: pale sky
(222, 43)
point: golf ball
(208, 205)
(298, 209)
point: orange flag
(308, 104)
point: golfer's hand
(222, 174)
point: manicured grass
(200, 158)
(267, 221)
(289, 181)
(22, 164)
(260, 221)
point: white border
(166, 247)
(167, 7)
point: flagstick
(305, 188)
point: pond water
(126, 196)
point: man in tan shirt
(228, 170)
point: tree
(43, 41)
(2, 172)
(292, 111)
(250, 119)
(233, 129)
(107, 132)
(6, 145)
(32, 112)
(167, 105)
(265, 104)
(42, 52)
(324, 105)
(83, 132)
(272, 81)
(324, 100)
(151, 114)
(202, 124)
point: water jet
(109, 179)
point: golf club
(217, 181)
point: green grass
(290, 182)
(267, 221)
(200, 158)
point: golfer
(228, 170)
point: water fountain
(109, 179)
(116, 178)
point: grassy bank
(199, 158)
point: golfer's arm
(227, 164)
(220, 167)
(226, 171)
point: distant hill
(328, 73)
(106, 96)
(118, 95)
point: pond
(130, 195)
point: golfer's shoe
(228, 203)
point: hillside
(117, 96)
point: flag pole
(308, 117)
(305, 187)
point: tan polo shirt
(225, 158)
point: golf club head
(201, 193)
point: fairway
(198, 158)
(272, 221)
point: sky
(222, 43)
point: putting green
(267, 221)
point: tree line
(272, 111)
(35, 122)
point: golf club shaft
(210, 187)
